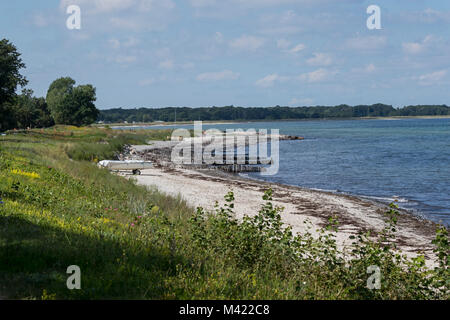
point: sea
(407, 160)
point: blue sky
(158, 53)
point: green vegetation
(65, 104)
(232, 113)
(72, 105)
(10, 78)
(32, 112)
(133, 242)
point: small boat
(134, 165)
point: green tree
(10, 79)
(31, 111)
(72, 105)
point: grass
(58, 209)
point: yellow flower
(155, 209)
(33, 175)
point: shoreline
(202, 188)
(415, 214)
(118, 126)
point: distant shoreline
(154, 124)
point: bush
(314, 267)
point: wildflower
(139, 217)
(33, 175)
(1, 202)
(132, 225)
(155, 210)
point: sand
(203, 189)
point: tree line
(267, 113)
(65, 103)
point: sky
(251, 53)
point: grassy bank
(58, 209)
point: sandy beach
(204, 188)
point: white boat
(133, 165)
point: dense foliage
(271, 113)
(10, 79)
(10, 65)
(72, 105)
(32, 112)
(136, 243)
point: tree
(10, 79)
(72, 105)
(31, 111)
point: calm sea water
(407, 160)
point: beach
(302, 207)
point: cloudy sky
(155, 53)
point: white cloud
(419, 47)
(431, 78)
(320, 59)
(248, 43)
(316, 76)
(370, 68)
(367, 43)
(130, 42)
(413, 47)
(430, 16)
(267, 81)
(298, 48)
(270, 80)
(216, 76)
